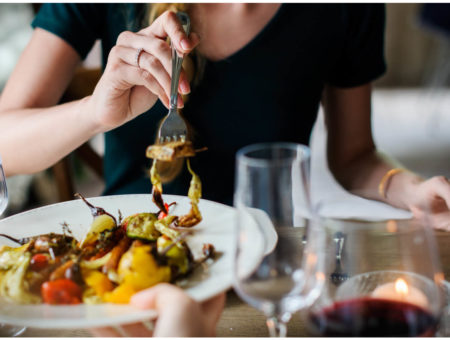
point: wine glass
(383, 279)
(274, 270)
(3, 190)
(6, 329)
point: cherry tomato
(61, 292)
(38, 262)
(162, 214)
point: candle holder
(394, 284)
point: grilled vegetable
(167, 152)
(162, 214)
(138, 269)
(97, 263)
(99, 282)
(121, 294)
(195, 192)
(10, 256)
(163, 227)
(39, 262)
(102, 222)
(12, 281)
(56, 243)
(157, 188)
(176, 255)
(142, 226)
(60, 272)
(116, 254)
(95, 211)
(61, 292)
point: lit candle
(400, 291)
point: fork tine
(173, 138)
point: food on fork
(195, 192)
(168, 152)
(171, 150)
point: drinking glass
(275, 271)
(6, 329)
(383, 279)
(3, 190)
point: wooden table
(241, 320)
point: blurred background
(411, 102)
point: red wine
(373, 317)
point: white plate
(216, 228)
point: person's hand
(133, 81)
(431, 198)
(178, 314)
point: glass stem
(277, 328)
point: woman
(262, 70)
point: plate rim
(34, 210)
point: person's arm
(178, 314)
(35, 132)
(359, 168)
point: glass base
(444, 325)
(7, 330)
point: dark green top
(267, 91)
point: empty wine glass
(274, 270)
(3, 190)
(6, 329)
(392, 282)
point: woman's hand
(178, 314)
(431, 199)
(133, 81)
(427, 199)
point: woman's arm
(351, 152)
(34, 133)
(359, 168)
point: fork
(173, 127)
(339, 275)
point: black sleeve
(78, 24)
(362, 56)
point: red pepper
(38, 262)
(61, 292)
(162, 214)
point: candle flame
(401, 287)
